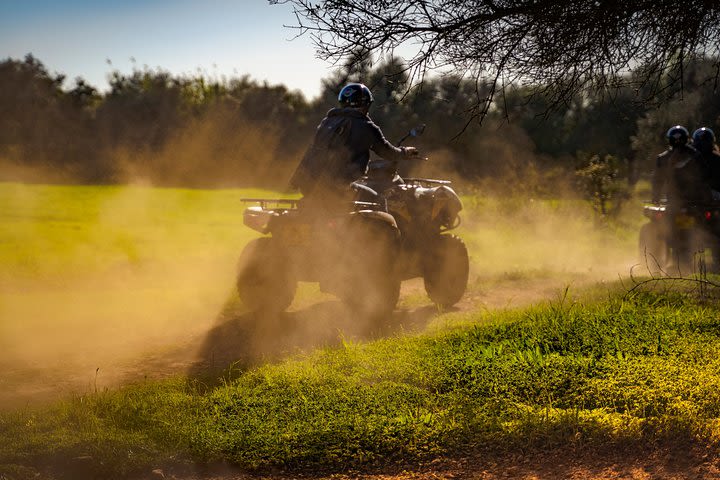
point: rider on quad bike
(327, 236)
(357, 243)
(682, 207)
(341, 149)
(679, 176)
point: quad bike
(424, 210)
(350, 251)
(672, 239)
(360, 253)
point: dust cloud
(71, 336)
(537, 236)
(528, 219)
(166, 303)
(220, 151)
(109, 292)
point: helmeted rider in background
(704, 143)
(340, 151)
(679, 176)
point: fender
(377, 216)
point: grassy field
(70, 231)
(108, 271)
(93, 276)
(621, 373)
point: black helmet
(677, 135)
(355, 95)
(704, 139)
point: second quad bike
(673, 238)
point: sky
(216, 38)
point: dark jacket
(340, 150)
(680, 177)
(711, 165)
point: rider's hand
(410, 152)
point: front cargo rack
(265, 202)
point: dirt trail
(72, 365)
(235, 336)
(674, 462)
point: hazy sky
(217, 37)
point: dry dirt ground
(666, 463)
(240, 338)
(244, 339)
(79, 357)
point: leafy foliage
(190, 131)
(561, 49)
(602, 183)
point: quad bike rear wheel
(265, 282)
(446, 270)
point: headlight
(257, 218)
(446, 205)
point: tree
(698, 107)
(601, 183)
(556, 47)
(32, 124)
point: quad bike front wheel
(446, 270)
(688, 251)
(372, 287)
(264, 281)
(653, 251)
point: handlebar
(414, 132)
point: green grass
(59, 233)
(70, 231)
(620, 372)
(598, 369)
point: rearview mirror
(417, 131)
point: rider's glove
(410, 151)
